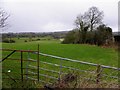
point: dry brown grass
(74, 81)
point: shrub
(12, 41)
(70, 38)
(25, 41)
(38, 39)
(5, 41)
(8, 41)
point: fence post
(98, 72)
(21, 66)
(59, 79)
(27, 65)
(38, 63)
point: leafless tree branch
(3, 18)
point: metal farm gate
(44, 69)
(15, 70)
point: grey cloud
(40, 16)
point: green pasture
(82, 52)
(89, 53)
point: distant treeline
(55, 35)
(101, 36)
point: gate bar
(38, 62)
(21, 66)
(18, 50)
(8, 55)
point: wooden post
(38, 63)
(21, 66)
(98, 71)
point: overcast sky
(54, 15)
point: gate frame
(21, 59)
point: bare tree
(94, 17)
(3, 18)
(82, 26)
(80, 22)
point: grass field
(83, 52)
